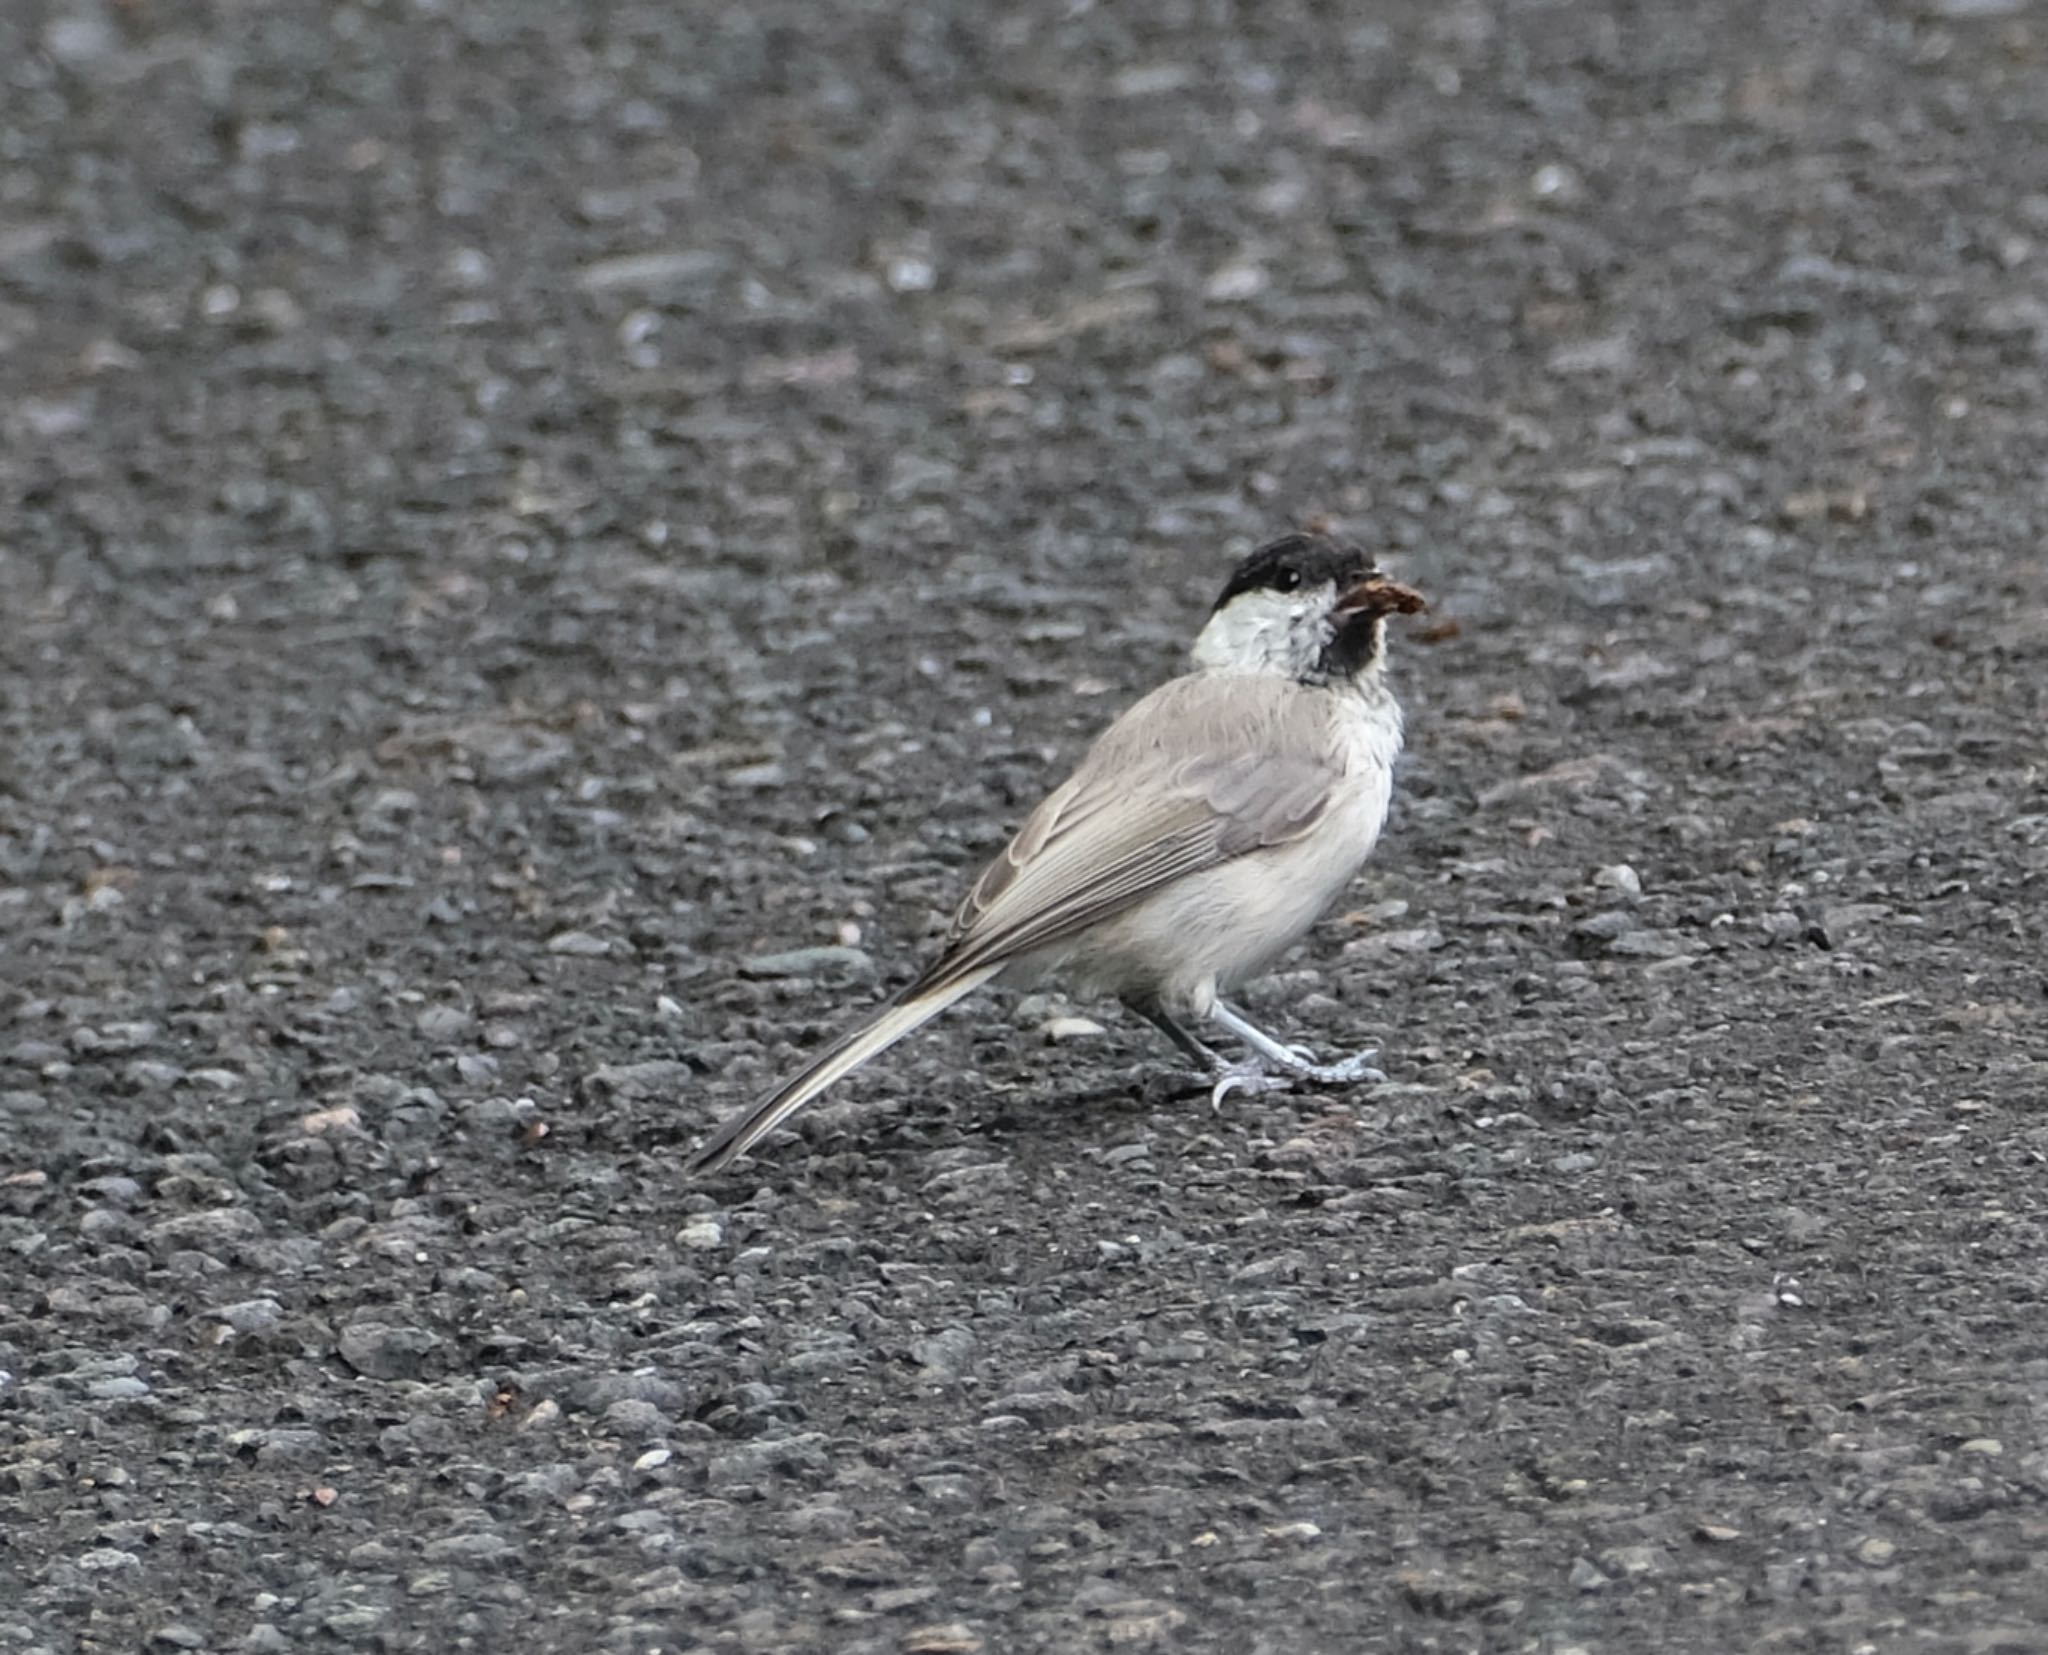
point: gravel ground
(515, 518)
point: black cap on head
(1294, 561)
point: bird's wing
(1201, 771)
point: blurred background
(539, 542)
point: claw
(1248, 1078)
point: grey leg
(1186, 1043)
(1250, 1076)
(1294, 1059)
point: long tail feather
(841, 1058)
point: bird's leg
(1186, 1043)
(1296, 1060)
(1251, 1076)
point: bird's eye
(1288, 580)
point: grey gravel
(540, 544)
(379, 1350)
(844, 964)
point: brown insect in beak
(1377, 595)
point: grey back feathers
(1185, 780)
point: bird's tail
(917, 1007)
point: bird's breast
(1213, 930)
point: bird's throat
(1356, 644)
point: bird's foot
(1250, 1077)
(1296, 1060)
(1359, 1066)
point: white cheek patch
(1262, 632)
(1245, 635)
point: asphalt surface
(514, 518)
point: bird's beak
(1376, 595)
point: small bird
(1200, 836)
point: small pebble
(578, 944)
(443, 1024)
(634, 1416)
(701, 1235)
(831, 961)
(1619, 878)
(1301, 1531)
(384, 1350)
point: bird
(1196, 841)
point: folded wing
(1139, 814)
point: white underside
(1210, 932)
